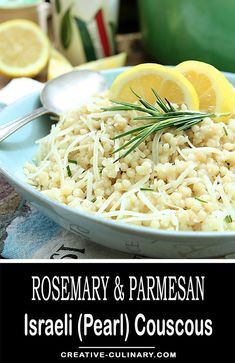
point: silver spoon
(59, 95)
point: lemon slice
(166, 81)
(115, 61)
(56, 55)
(214, 91)
(24, 48)
(58, 66)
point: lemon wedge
(24, 48)
(115, 61)
(168, 82)
(56, 55)
(58, 66)
(214, 91)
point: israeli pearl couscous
(175, 180)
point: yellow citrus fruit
(60, 66)
(168, 82)
(115, 61)
(214, 91)
(57, 64)
(24, 48)
(56, 55)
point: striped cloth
(97, 37)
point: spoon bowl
(71, 90)
(66, 92)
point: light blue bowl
(20, 147)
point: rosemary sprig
(161, 116)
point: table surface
(11, 204)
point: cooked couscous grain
(173, 181)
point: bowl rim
(112, 224)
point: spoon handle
(10, 127)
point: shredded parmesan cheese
(175, 180)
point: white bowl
(20, 147)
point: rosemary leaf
(147, 189)
(144, 102)
(170, 105)
(72, 161)
(201, 200)
(138, 140)
(225, 131)
(126, 144)
(228, 219)
(101, 168)
(161, 103)
(69, 171)
(132, 131)
(126, 106)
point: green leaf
(101, 169)
(131, 132)
(72, 161)
(137, 141)
(66, 29)
(86, 40)
(58, 6)
(228, 219)
(201, 200)
(69, 171)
